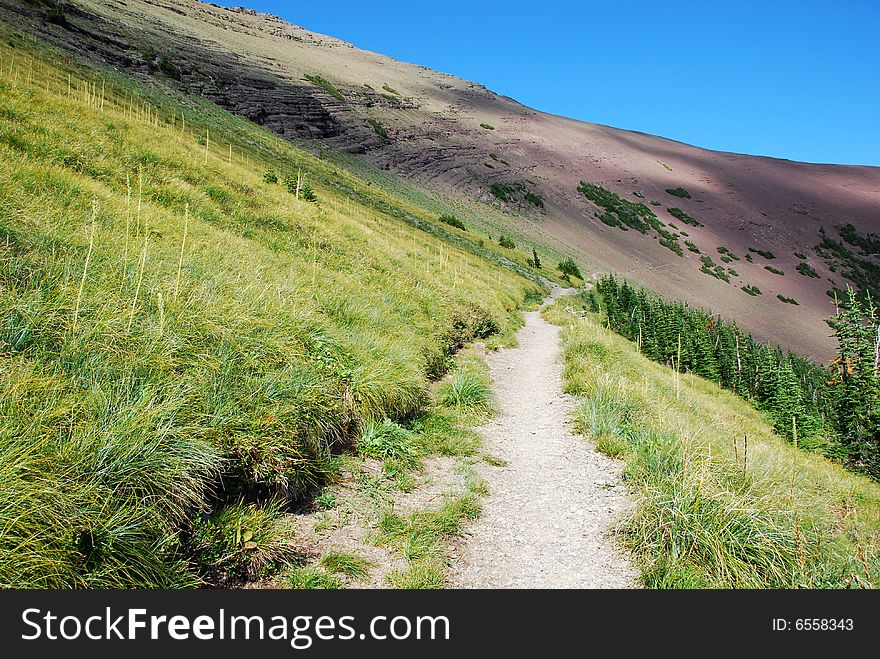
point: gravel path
(548, 518)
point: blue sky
(783, 78)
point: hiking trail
(549, 516)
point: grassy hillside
(179, 336)
(721, 500)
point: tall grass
(722, 502)
(254, 334)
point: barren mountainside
(739, 235)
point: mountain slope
(437, 134)
(180, 334)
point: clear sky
(796, 79)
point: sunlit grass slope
(721, 500)
(177, 334)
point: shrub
(775, 271)
(751, 290)
(378, 128)
(270, 176)
(679, 192)
(672, 245)
(569, 267)
(502, 191)
(684, 217)
(787, 300)
(619, 211)
(726, 252)
(692, 247)
(506, 242)
(712, 269)
(806, 270)
(306, 192)
(451, 220)
(766, 254)
(536, 261)
(534, 199)
(487, 126)
(388, 88)
(326, 85)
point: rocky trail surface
(548, 520)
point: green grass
(239, 543)
(310, 578)
(711, 513)
(204, 337)
(386, 440)
(495, 461)
(348, 564)
(419, 537)
(469, 391)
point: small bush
(684, 217)
(766, 254)
(326, 85)
(752, 290)
(775, 271)
(487, 126)
(270, 176)
(724, 251)
(807, 271)
(787, 300)
(569, 267)
(378, 128)
(679, 192)
(451, 220)
(501, 191)
(506, 242)
(534, 199)
(306, 192)
(536, 260)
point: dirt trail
(548, 518)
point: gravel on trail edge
(549, 518)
